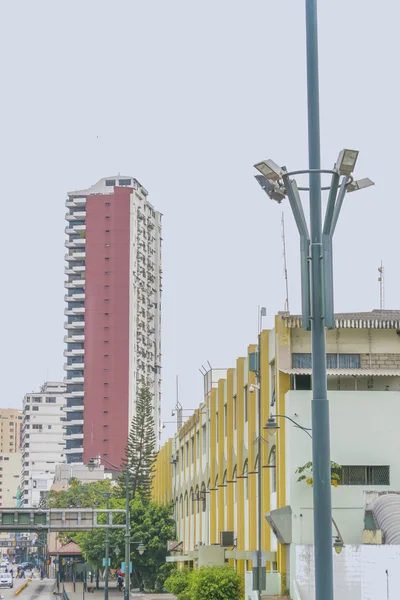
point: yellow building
(210, 469)
(10, 430)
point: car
(6, 580)
(27, 566)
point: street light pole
(320, 407)
(127, 539)
(91, 464)
(107, 495)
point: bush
(178, 583)
(206, 583)
(216, 583)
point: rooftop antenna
(261, 312)
(285, 271)
(381, 279)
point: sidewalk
(78, 594)
(112, 592)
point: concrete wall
(363, 432)
(360, 573)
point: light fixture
(346, 161)
(271, 425)
(338, 544)
(92, 464)
(270, 170)
(359, 184)
(273, 190)
(141, 548)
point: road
(37, 590)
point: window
(107, 231)
(364, 475)
(272, 464)
(197, 444)
(182, 457)
(110, 182)
(245, 403)
(35, 408)
(204, 438)
(108, 216)
(234, 413)
(53, 400)
(125, 182)
(37, 426)
(192, 449)
(246, 480)
(333, 361)
(225, 419)
(187, 454)
(108, 203)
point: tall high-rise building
(114, 283)
(10, 430)
(42, 440)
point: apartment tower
(114, 282)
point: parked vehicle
(6, 580)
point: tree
(153, 525)
(83, 495)
(306, 473)
(140, 451)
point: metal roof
(376, 319)
(348, 372)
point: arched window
(234, 478)
(181, 506)
(224, 480)
(272, 464)
(246, 479)
(198, 501)
(191, 501)
(204, 496)
(176, 509)
(186, 505)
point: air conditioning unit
(227, 539)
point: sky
(186, 95)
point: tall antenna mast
(285, 264)
(381, 279)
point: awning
(348, 372)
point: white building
(42, 440)
(114, 282)
(10, 474)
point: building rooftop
(375, 319)
(106, 186)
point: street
(36, 590)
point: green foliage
(84, 495)
(306, 473)
(206, 583)
(150, 523)
(140, 452)
(179, 583)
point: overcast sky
(186, 95)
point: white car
(6, 580)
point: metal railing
(64, 594)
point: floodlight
(346, 161)
(270, 170)
(273, 190)
(360, 184)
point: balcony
(69, 339)
(76, 380)
(71, 297)
(75, 202)
(70, 312)
(79, 365)
(80, 352)
(74, 325)
(77, 215)
(76, 243)
(73, 409)
(73, 450)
